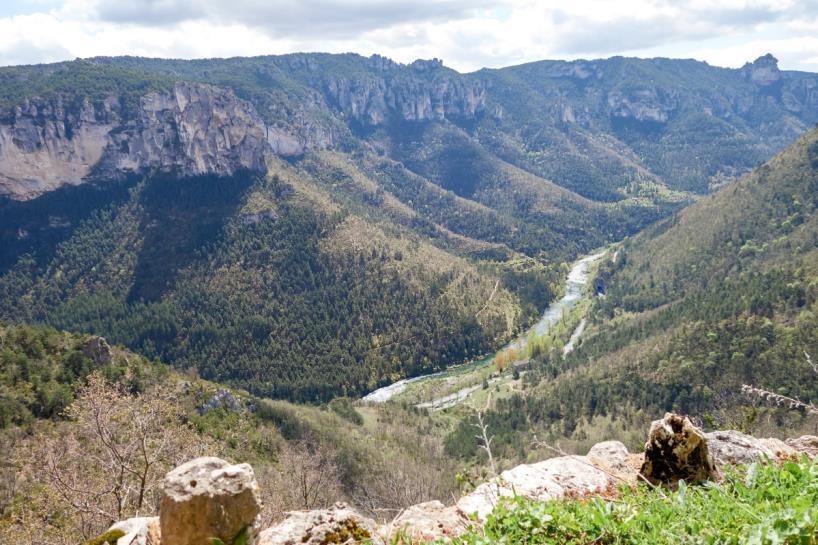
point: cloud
(467, 34)
(336, 19)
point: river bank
(452, 386)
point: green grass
(757, 504)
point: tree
(500, 360)
(307, 477)
(108, 462)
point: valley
(387, 283)
(458, 383)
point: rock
(428, 521)
(98, 350)
(336, 525)
(763, 71)
(613, 457)
(643, 105)
(138, 531)
(613, 452)
(808, 444)
(566, 476)
(188, 130)
(373, 100)
(677, 450)
(209, 498)
(733, 447)
(222, 399)
(779, 448)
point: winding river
(575, 284)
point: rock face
(763, 71)
(644, 105)
(98, 350)
(677, 450)
(208, 498)
(189, 130)
(392, 94)
(339, 524)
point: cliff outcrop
(189, 130)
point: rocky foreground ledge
(208, 501)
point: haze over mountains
(313, 224)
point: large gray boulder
(565, 476)
(337, 525)
(209, 498)
(733, 447)
(677, 450)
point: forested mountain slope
(311, 224)
(289, 285)
(721, 294)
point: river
(574, 286)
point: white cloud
(467, 34)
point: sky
(466, 34)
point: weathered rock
(613, 452)
(613, 457)
(428, 521)
(138, 531)
(209, 498)
(808, 444)
(677, 450)
(337, 525)
(98, 350)
(763, 71)
(734, 447)
(374, 99)
(566, 476)
(189, 130)
(779, 448)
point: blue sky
(466, 34)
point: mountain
(721, 294)
(311, 224)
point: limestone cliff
(190, 129)
(423, 91)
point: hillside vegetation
(87, 442)
(298, 286)
(719, 295)
(412, 217)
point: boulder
(613, 457)
(337, 525)
(807, 444)
(566, 476)
(425, 522)
(779, 448)
(97, 350)
(677, 450)
(138, 531)
(733, 447)
(208, 498)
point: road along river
(575, 285)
